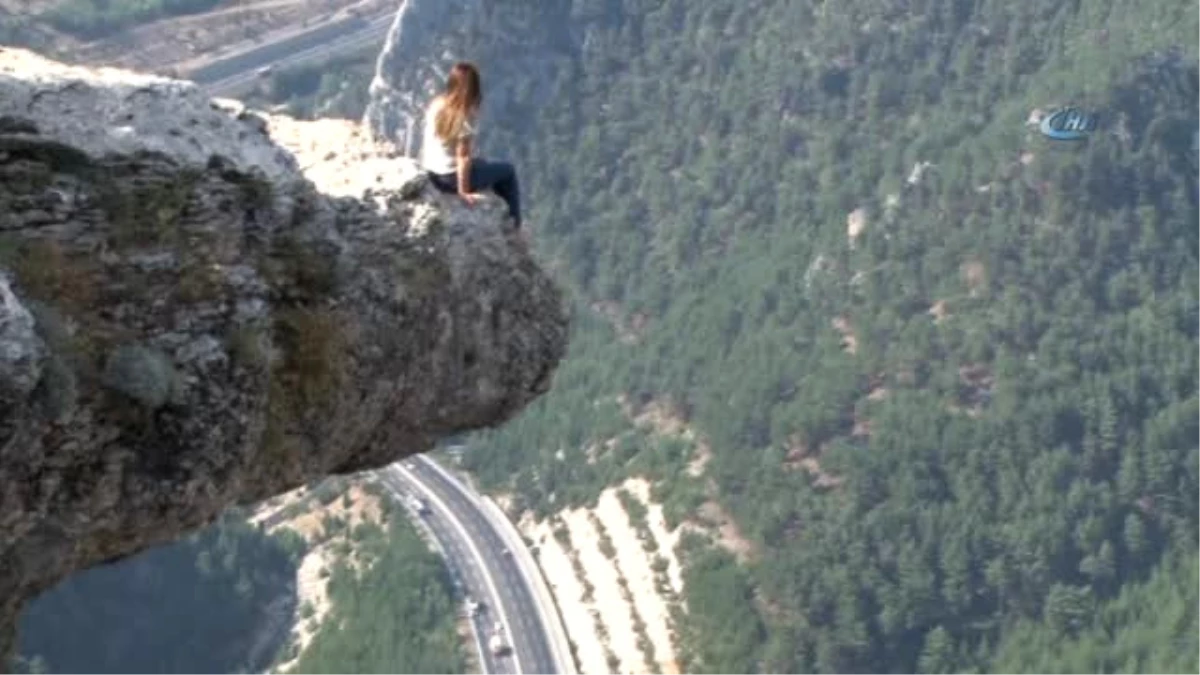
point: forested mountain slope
(829, 237)
(944, 366)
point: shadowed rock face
(187, 323)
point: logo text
(1068, 124)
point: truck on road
(497, 644)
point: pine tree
(937, 656)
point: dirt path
(311, 591)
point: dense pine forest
(947, 367)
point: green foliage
(292, 542)
(720, 600)
(18, 31)
(328, 490)
(1150, 627)
(634, 508)
(396, 617)
(196, 605)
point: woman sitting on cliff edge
(449, 131)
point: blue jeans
(501, 177)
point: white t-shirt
(436, 155)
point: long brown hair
(460, 100)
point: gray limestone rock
(188, 323)
(20, 347)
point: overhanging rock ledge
(187, 322)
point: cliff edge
(188, 322)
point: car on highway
(497, 645)
(418, 504)
(474, 607)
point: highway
(478, 553)
(529, 634)
(460, 559)
(233, 74)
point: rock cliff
(523, 47)
(187, 322)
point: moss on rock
(314, 358)
(248, 346)
(299, 272)
(310, 371)
(45, 272)
(145, 213)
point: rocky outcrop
(522, 47)
(188, 323)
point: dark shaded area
(198, 605)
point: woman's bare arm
(463, 153)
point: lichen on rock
(144, 375)
(188, 321)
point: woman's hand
(470, 197)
